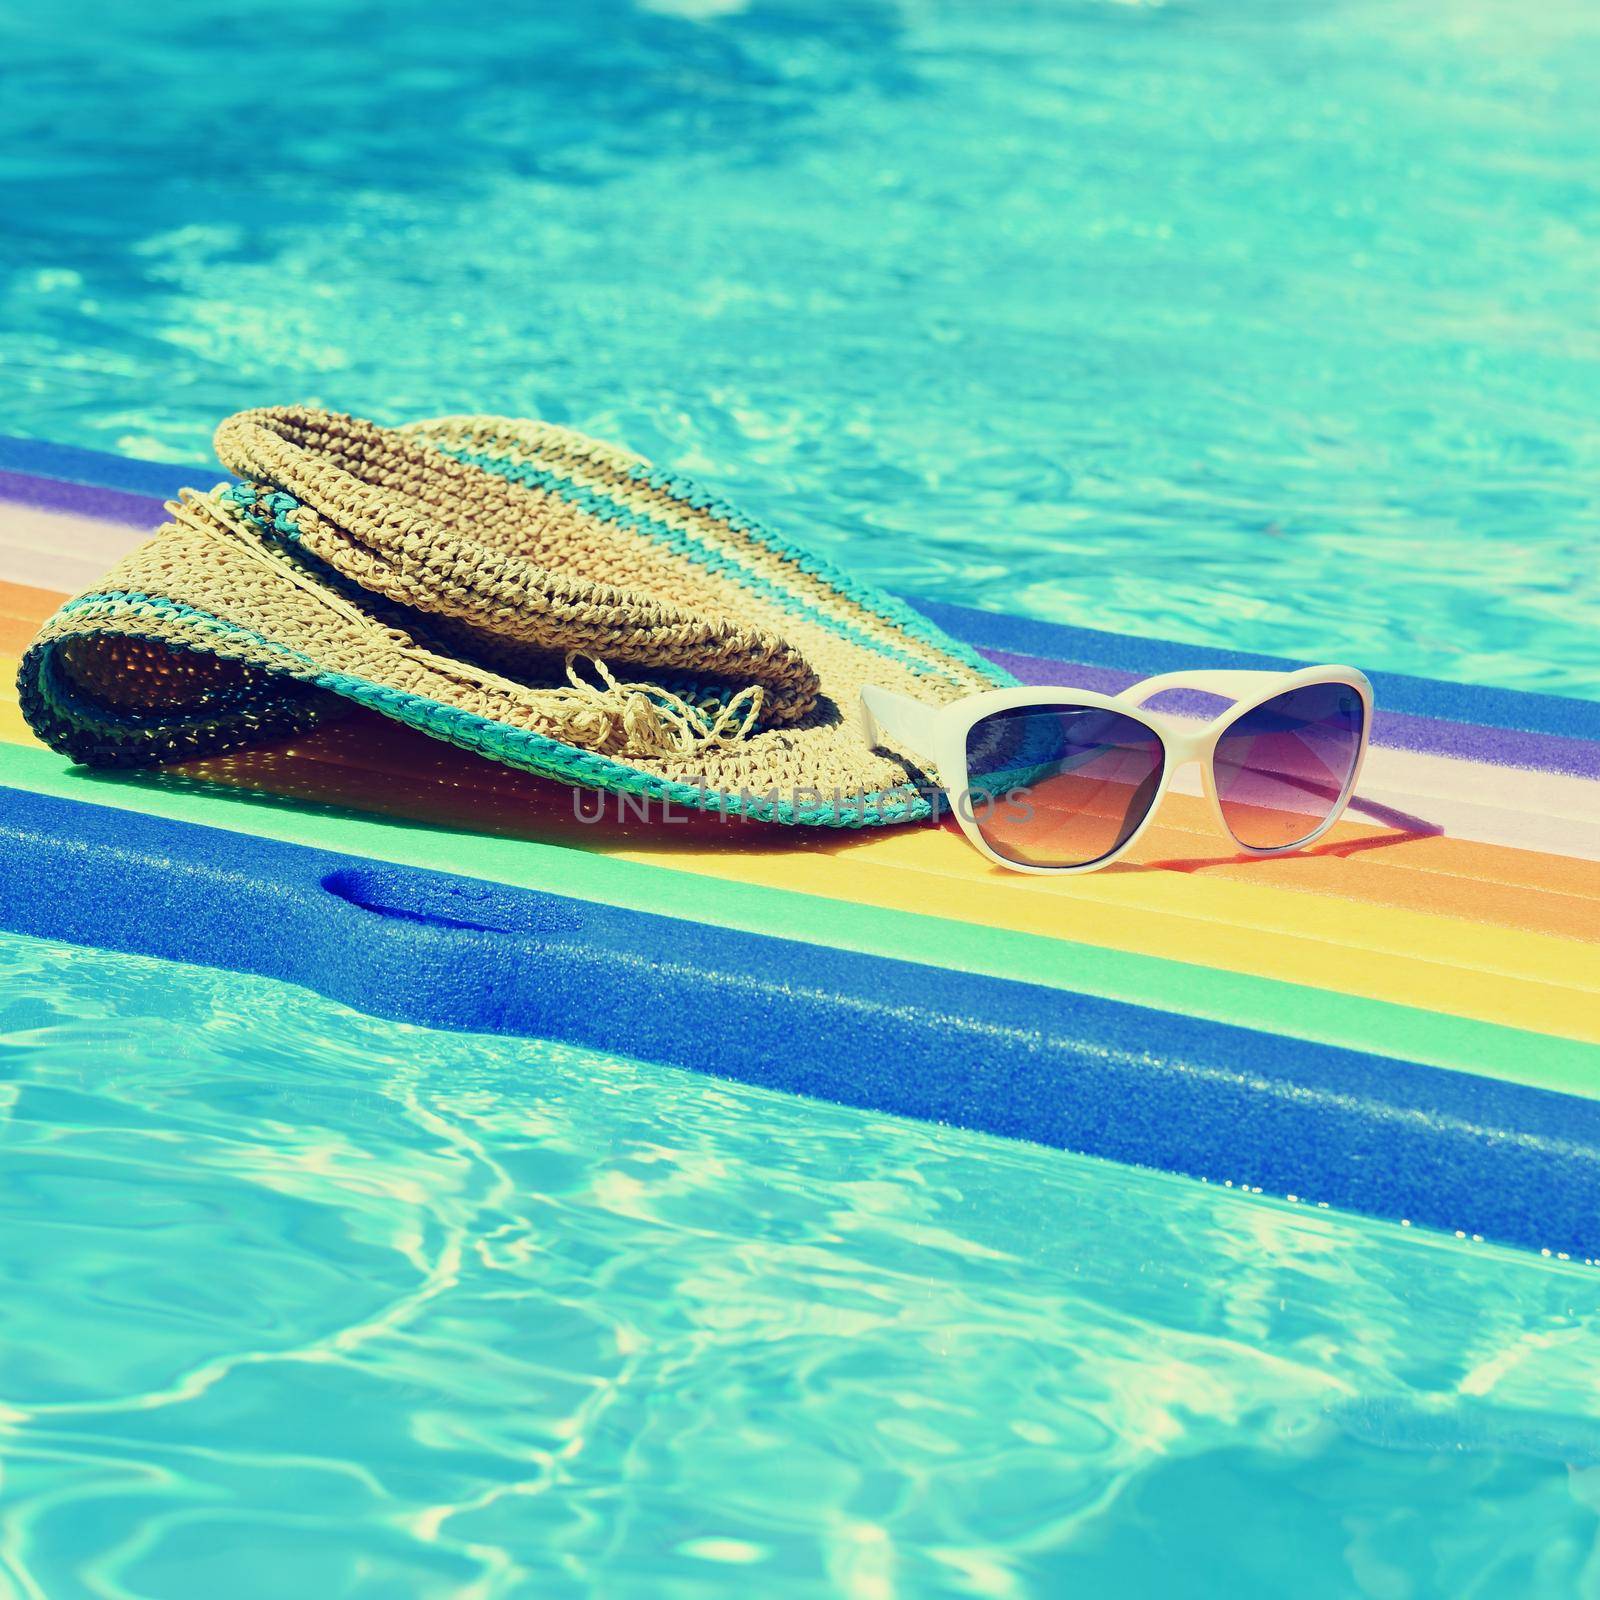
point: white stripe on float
(1487, 804)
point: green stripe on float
(1268, 1005)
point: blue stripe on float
(68, 463)
(1377, 1135)
(1393, 691)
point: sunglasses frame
(936, 737)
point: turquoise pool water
(1264, 324)
(1268, 323)
(294, 1302)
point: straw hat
(520, 590)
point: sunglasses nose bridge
(1184, 748)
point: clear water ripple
(1261, 325)
(292, 1297)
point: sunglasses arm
(889, 718)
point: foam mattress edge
(1369, 1133)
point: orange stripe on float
(1441, 963)
(1470, 929)
(359, 760)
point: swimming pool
(298, 1301)
(1269, 326)
(1254, 325)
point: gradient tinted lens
(1059, 786)
(1281, 768)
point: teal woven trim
(120, 602)
(606, 509)
(271, 510)
(518, 747)
(866, 595)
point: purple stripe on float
(1541, 752)
(80, 499)
(1465, 741)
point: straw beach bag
(516, 588)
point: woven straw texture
(516, 588)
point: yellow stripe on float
(1538, 982)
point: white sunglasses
(1062, 780)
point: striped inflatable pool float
(1403, 1020)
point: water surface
(1263, 323)
(293, 1301)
